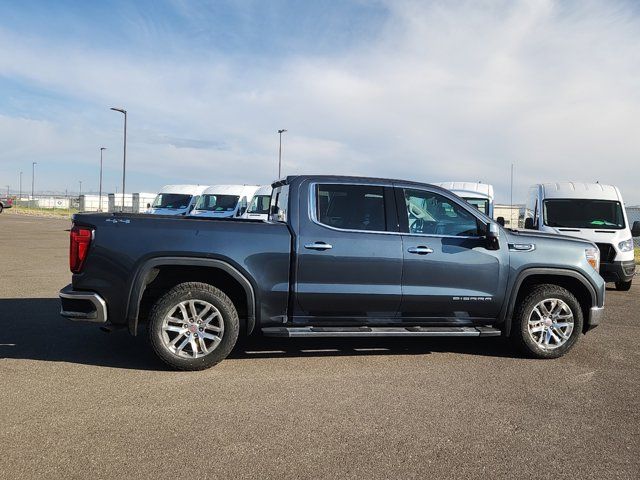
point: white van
(225, 201)
(480, 195)
(176, 199)
(259, 205)
(587, 210)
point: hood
(208, 213)
(600, 235)
(523, 236)
(167, 211)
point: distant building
(133, 202)
(513, 215)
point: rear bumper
(82, 306)
(618, 271)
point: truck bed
(123, 243)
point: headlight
(626, 246)
(593, 257)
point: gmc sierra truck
(338, 257)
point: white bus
(259, 205)
(224, 201)
(176, 199)
(478, 194)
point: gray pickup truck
(339, 257)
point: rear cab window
(352, 207)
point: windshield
(481, 204)
(583, 213)
(218, 203)
(172, 201)
(260, 204)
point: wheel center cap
(193, 328)
(548, 322)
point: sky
(423, 90)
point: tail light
(79, 247)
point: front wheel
(547, 322)
(193, 326)
(623, 286)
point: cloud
(443, 91)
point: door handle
(318, 246)
(421, 250)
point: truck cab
(592, 211)
(478, 194)
(225, 201)
(176, 199)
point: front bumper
(596, 315)
(82, 306)
(618, 271)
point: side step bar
(291, 332)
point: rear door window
(351, 207)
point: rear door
(349, 254)
(449, 274)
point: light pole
(20, 184)
(33, 179)
(281, 131)
(511, 200)
(100, 189)
(80, 191)
(124, 155)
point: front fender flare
(558, 272)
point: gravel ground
(79, 403)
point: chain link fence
(67, 205)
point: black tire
(1, 208)
(193, 291)
(524, 340)
(623, 286)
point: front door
(450, 275)
(349, 255)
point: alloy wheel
(192, 329)
(550, 323)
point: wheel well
(575, 286)
(162, 278)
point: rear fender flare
(138, 285)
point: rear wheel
(547, 322)
(623, 286)
(193, 326)
(1, 208)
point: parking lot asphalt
(78, 403)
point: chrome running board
(292, 332)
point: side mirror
(242, 210)
(635, 231)
(500, 221)
(528, 223)
(493, 236)
(191, 207)
(148, 206)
